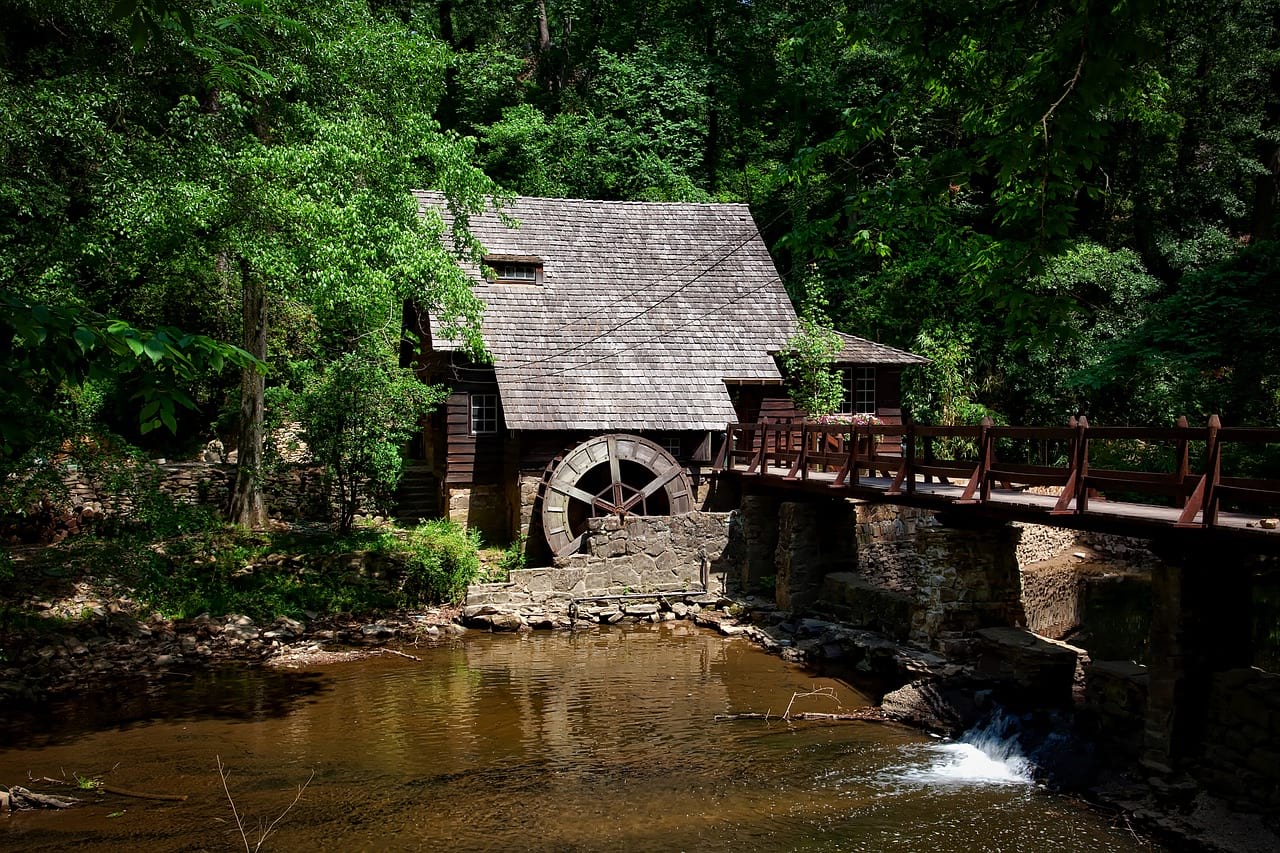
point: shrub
(513, 557)
(442, 559)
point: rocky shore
(93, 642)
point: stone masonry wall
(292, 491)
(1241, 754)
(970, 582)
(758, 517)
(886, 557)
(482, 507)
(1039, 542)
(814, 539)
(655, 554)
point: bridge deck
(1017, 501)
(1189, 506)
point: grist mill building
(625, 336)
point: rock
(642, 609)
(506, 622)
(679, 609)
(377, 631)
(240, 628)
(936, 706)
(288, 628)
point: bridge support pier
(1200, 625)
(814, 538)
(758, 515)
(967, 580)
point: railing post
(802, 457)
(1212, 472)
(1082, 466)
(909, 454)
(1073, 471)
(726, 451)
(855, 476)
(928, 457)
(1182, 461)
(986, 452)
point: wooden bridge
(1180, 482)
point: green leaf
(155, 349)
(85, 338)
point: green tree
(357, 414)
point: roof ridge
(608, 201)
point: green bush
(442, 559)
(513, 557)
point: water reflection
(596, 741)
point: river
(600, 740)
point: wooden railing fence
(1063, 461)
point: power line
(632, 346)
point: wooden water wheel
(614, 474)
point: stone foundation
(643, 555)
(813, 539)
(482, 508)
(300, 492)
(970, 582)
(1240, 759)
(654, 554)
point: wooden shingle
(644, 310)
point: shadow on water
(236, 694)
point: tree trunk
(544, 31)
(247, 506)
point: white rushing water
(983, 756)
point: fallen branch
(401, 654)
(874, 715)
(18, 798)
(866, 714)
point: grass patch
(230, 570)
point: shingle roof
(862, 351)
(645, 310)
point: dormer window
(511, 269)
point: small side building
(624, 337)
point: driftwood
(874, 715)
(401, 654)
(125, 792)
(18, 798)
(863, 714)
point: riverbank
(98, 638)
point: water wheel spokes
(615, 474)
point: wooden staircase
(418, 494)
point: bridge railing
(795, 451)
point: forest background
(1068, 206)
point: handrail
(799, 450)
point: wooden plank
(1046, 433)
(1009, 470)
(947, 431)
(1250, 435)
(1146, 433)
(1146, 487)
(1250, 495)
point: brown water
(595, 741)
